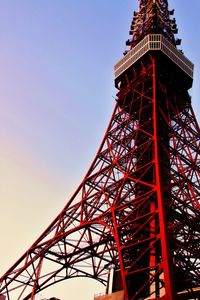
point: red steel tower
(137, 209)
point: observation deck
(154, 42)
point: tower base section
(113, 296)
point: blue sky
(56, 98)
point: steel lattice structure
(138, 206)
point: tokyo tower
(133, 224)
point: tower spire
(153, 17)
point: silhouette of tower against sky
(133, 223)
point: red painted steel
(138, 207)
(166, 255)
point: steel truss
(137, 208)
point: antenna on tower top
(153, 17)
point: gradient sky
(56, 98)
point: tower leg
(165, 249)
